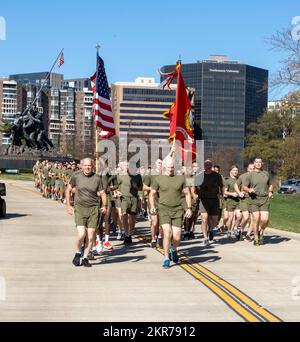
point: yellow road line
(238, 301)
(247, 300)
(223, 295)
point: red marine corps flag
(179, 116)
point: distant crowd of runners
(236, 206)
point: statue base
(20, 158)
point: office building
(138, 108)
(77, 83)
(8, 105)
(228, 96)
(39, 78)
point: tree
(273, 134)
(291, 151)
(5, 128)
(284, 41)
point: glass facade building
(228, 97)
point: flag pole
(44, 83)
(96, 128)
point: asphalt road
(228, 281)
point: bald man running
(170, 209)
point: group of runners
(236, 206)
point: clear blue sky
(137, 37)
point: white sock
(106, 238)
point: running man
(244, 199)
(260, 190)
(170, 210)
(209, 186)
(149, 180)
(233, 203)
(128, 187)
(88, 188)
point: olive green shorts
(129, 205)
(210, 206)
(110, 202)
(244, 206)
(46, 182)
(58, 184)
(195, 205)
(232, 204)
(87, 217)
(170, 215)
(259, 204)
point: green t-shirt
(130, 185)
(170, 190)
(259, 181)
(229, 185)
(86, 189)
(45, 173)
(208, 185)
(241, 182)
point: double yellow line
(238, 301)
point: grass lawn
(21, 176)
(285, 213)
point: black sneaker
(186, 236)
(127, 240)
(76, 260)
(192, 236)
(153, 244)
(211, 235)
(85, 263)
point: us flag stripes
(104, 118)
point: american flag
(104, 118)
(61, 60)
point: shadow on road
(199, 254)
(275, 239)
(12, 216)
(106, 259)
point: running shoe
(85, 263)
(107, 245)
(166, 263)
(256, 243)
(91, 256)
(228, 235)
(128, 240)
(206, 242)
(76, 260)
(153, 244)
(192, 236)
(119, 236)
(261, 240)
(113, 228)
(211, 235)
(99, 248)
(248, 238)
(186, 236)
(174, 255)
